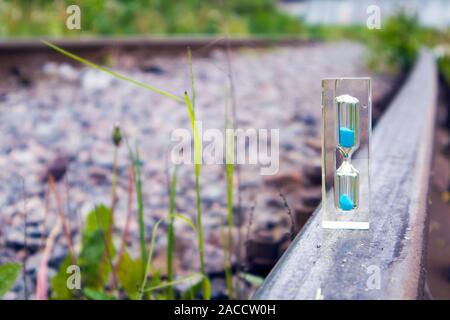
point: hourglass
(346, 177)
(346, 126)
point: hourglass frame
(346, 130)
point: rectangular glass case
(346, 129)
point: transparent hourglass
(346, 184)
(346, 126)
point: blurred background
(253, 64)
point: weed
(146, 258)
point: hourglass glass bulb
(347, 123)
(346, 187)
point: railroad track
(32, 46)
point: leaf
(155, 280)
(92, 261)
(207, 289)
(197, 139)
(195, 285)
(196, 278)
(97, 219)
(93, 294)
(8, 276)
(185, 219)
(197, 161)
(59, 282)
(252, 279)
(129, 275)
(112, 73)
(93, 258)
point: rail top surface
(385, 262)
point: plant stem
(106, 241)
(229, 242)
(25, 238)
(136, 170)
(129, 212)
(197, 164)
(199, 226)
(171, 233)
(140, 203)
(229, 173)
(114, 188)
(236, 169)
(191, 72)
(66, 230)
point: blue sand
(345, 202)
(346, 137)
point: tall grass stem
(171, 233)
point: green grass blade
(171, 233)
(229, 173)
(191, 72)
(197, 139)
(148, 268)
(197, 166)
(207, 289)
(136, 167)
(140, 203)
(112, 73)
(197, 162)
(169, 284)
(185, 219)
(226, 260)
